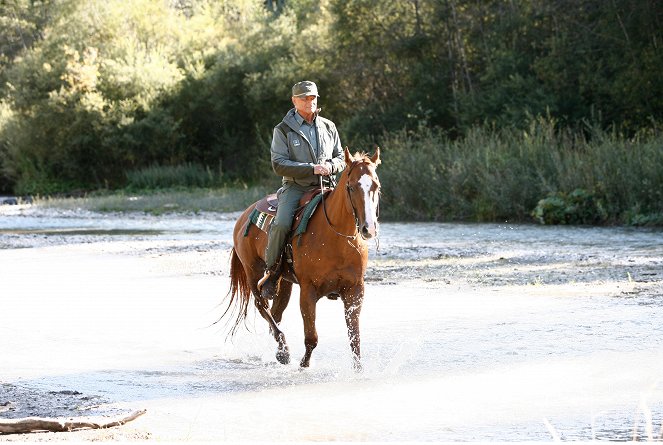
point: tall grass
(492, 175)
(164, 177)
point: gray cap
(305, 88)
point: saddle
(268, 204)
(265, 211)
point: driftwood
(38, 424)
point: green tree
(94, 88)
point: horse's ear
(348, 156)
(376, 157)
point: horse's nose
(368, 232)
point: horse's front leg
(352, 302)
(307, 304)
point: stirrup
(268, 285)
(263, 280)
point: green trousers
(289, 197)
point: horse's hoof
(357, 366)
(283, 356)
(304, 363)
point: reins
(331, 226)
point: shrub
(577, 207)
(636, 218)
(499, 175)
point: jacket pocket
(299, 148)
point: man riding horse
(305, 149)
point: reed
(164, 177)
(503, 175)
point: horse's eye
(351, 188)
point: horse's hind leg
(282, 351)
(281, 300)
(279, 304)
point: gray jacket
(293, 157)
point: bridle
(352, 205)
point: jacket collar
(295, 120)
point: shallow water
(469, 332)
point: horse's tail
(239, 294)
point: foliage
(92, 101)
(165, 177)
(93, 89)
(577, 207)
(638, 219)
(511, 175)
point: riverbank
(156, 202)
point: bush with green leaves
(116, 86)
(577, 207)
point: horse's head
(363, 188)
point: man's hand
(322, 169)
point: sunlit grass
(227, 199)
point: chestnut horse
(328, 261)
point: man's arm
(338, 156)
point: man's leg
(278, 232)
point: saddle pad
(263, 219)
(306, 214)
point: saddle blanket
(262, 219)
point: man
(305, 147)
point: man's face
(305, 104)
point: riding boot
(268, 285)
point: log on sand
(37, 424)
